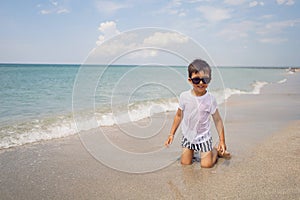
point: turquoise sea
(37, 100)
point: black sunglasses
(196, 80)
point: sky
(232, 32)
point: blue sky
(233, 32)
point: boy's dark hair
(199, 65)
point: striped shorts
(203, 146)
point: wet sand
(262, 133)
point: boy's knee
(207, 165)
(186, 162)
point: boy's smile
(199, 86)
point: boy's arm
(220, 128)
(176, 123)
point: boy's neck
(198, 94)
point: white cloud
(280, 1)
(109, 7)
(271, 32)
(116, 47)
(273, 40)
(290, 2)
(253, 4)
(164, 39)
(108, 30)
(141, 45)
(285, 2)
(63, 10)
(143, 53)
(277, 27)
(182, 14)
(55, 3)
(238, 30)
(174, 8)
(176, 3)
(158, 40)
(267, 16)
(214, 14)
(234, 2)
(256, 3)
(53, 7)
(45, 12)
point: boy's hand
(222, 147)
(169, 140)
(222, 152)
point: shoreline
(63, 168)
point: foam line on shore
(62, 126)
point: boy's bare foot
(225, 155)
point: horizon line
(123, 64)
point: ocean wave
(62, 126)
(223, 95)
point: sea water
(37, 99)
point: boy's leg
(187, 156)
(208, 159)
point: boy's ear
(189, 80)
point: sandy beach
(262, 133)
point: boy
(195, 108)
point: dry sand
(262, 133)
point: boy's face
(200, 81)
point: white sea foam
(282, 81)
(137, 112)
(257, 87)
(34, 131)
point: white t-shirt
(196, 110)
